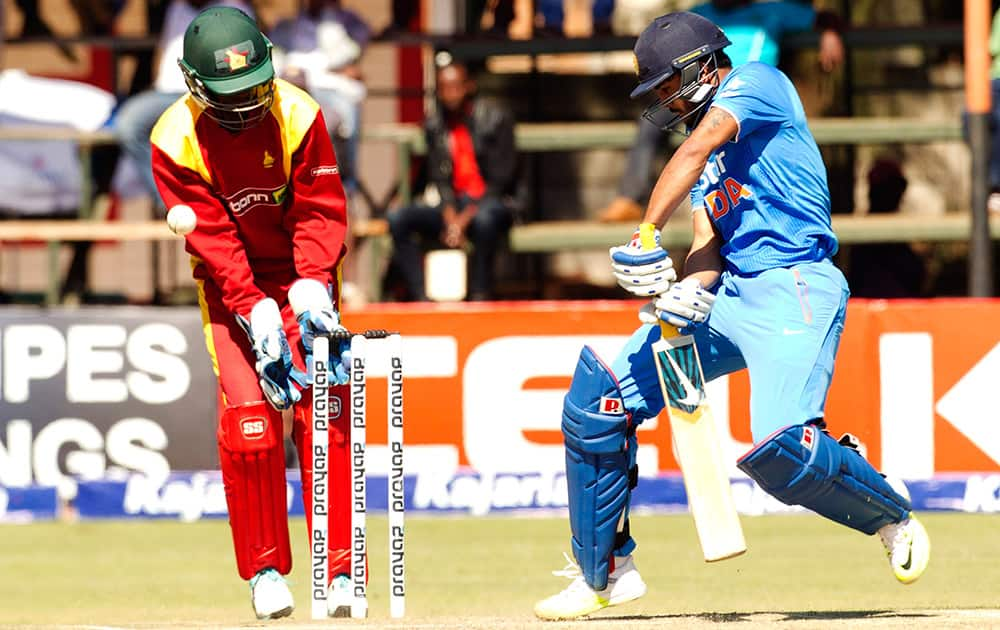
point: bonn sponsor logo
(248, 198)
(253, 428)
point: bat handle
(647, 238)
(667, 331)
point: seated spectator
(560, 17)
(97, 17)
(320, 51)
(495, 16)
(471, 164)
(137, 115)
(405, 18)
(755, 30)
(886, 270)
(993, 202)
(630, 17)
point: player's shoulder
(175, 135)
(757, 70)
(296, 112)
(753, 76)
(293, 102)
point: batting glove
(685, 304)
(313, 308)
(278, 376)
(642, 272)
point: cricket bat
(696, 441)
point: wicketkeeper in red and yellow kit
(250, 154)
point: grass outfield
(801, 571)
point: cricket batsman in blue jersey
(759, 292)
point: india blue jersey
(766, 191)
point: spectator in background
(630, 17)
(320, 51)
(886, 270)
(405, 13)
(993, 204)
(137, 115)
(505, 18)
(755, 30)
(568, 17)
(34, 25)
(471, 164)
(96, 18)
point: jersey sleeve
(317, 216)
(697, 199)
(754, 97)
(215, 241)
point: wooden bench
(54, 233)
(857, 37)
(560, 236)
(531, 238)
(551, 236)
(84, 230)
(546, 237)
(555, 136)
(574, 136)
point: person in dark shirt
(886, 270)
(471, 164)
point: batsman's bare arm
(687, 164)
(704, 260)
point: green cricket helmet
(227, 67)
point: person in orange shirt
(251, 156)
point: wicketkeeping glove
(644, 273)
(313, 309)
(278, 376)
(685, 304)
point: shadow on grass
(795, 615)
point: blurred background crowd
(394, 74)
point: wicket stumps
(359, 479)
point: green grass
(484, 570)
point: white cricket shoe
(908, 547)
(339, 597)
(270, 596)
(580, 600)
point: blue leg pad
(600, 454)
(802, 465)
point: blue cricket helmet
(685, 44)
(674, 43)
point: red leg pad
(252, 458)
(339, 433)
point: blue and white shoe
(270, 596)
(340, 597)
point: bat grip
(667, 331)
(647, 239)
